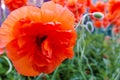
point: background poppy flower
(77, 7)
(100, 6)
(38, 40)
(114, 17)
(14, 4)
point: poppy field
(59, 40)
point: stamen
(39, 40)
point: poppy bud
(98, 15)
(89, 26)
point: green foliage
(95, 59)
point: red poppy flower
(38, 40)
(114, 9)
(61, 2)
(97, 23)
(114, 17)
(114, 5)
(77, 7)
(14, 4)
(116, 29)
(100, 6)
(88, 3)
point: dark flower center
(39, 40)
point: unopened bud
(98, 15)
(89, 26)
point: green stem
(10, 65)
(29, 78)
(81, 49)
(53, 77)
(39, 76)
(117, 77)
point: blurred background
(97, 53)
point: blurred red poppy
(77, 7)
(14, 4)
(38, 40)
(100, 6)
(114, 16)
